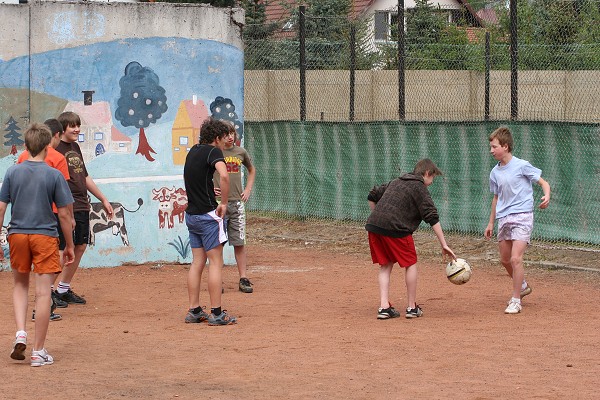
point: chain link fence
(332, 107)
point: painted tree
(142, 102)
(13, 136)
(224, 110)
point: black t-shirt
(77, 173)
(198, 174)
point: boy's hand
(246, 195)
(221, 210)
(447, 251)
(489, 231)
(68, 255)
(108, 207)
(217, 192)
(545, 202)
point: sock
(63, 287)
(523, 285)
(216, 311)
(515, 300)
(196, 310)
(21, 333)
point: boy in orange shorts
(31, 187)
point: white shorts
(516, 227)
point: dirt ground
(309, 331)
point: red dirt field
(309, 330)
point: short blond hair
(37, 138)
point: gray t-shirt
(30, 188)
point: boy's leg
(385, 272)
(215, 267)
(516, 261)
(240, 260)
(195, 276)
(505, 252)
(410, 276)
(42, 305)
(20, 298)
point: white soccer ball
(459, 271)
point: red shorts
(385, 250)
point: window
(81, 138)
(386, 26)
(183, 140)
(121, 144)
(98, 135)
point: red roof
(117, 136)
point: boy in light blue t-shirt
(511, 183)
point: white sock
(515, 300)
(524, 285)
(63, 287)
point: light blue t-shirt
(513, 185)
(31, 188)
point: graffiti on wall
(99, 220)
(171, 204)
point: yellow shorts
(39, 250)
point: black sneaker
(58, 303)
(53, 316)
(387, 313)
(414, 312)
(246, 285)
(70, 297)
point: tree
(13, 136)
(142, 102)
(256, 34)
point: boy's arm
(93, 189)
(66, 224)
(372, 205)
(222, 170)
(249, 183)
(2, 212)
(437, 228)
(489, 230)
(546, 197)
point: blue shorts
(206, 230)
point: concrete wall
(52, 52)
(430, 95)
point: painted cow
(171, 203)
(99, 221)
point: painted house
(186, 128)
(97, 133)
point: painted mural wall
(142, 77)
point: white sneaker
(41, 357)
(513, 308)
(19, 347)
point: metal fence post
(302, 10)
(514, 59)
(401, 66)
(352, 69)
(486, 113)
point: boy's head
(55, 126)
(213, 129)
(37, 138)
(426, 167)
(70, 122)
(504, 137)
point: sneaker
(386, 313)
(41, 357)
(53, 316)
(192, 318)
(414, 312)
(246, 285)
(526, 291)
(58, 303)
(19, 347)
(70, 297)
(223, 319)
(513, 308)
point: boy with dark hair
(31, 187)
(397, 209)
(204, 218)
(79, 183)
(235, 157)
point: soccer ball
(459, 271)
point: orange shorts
(39, 250)
(386, 249)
